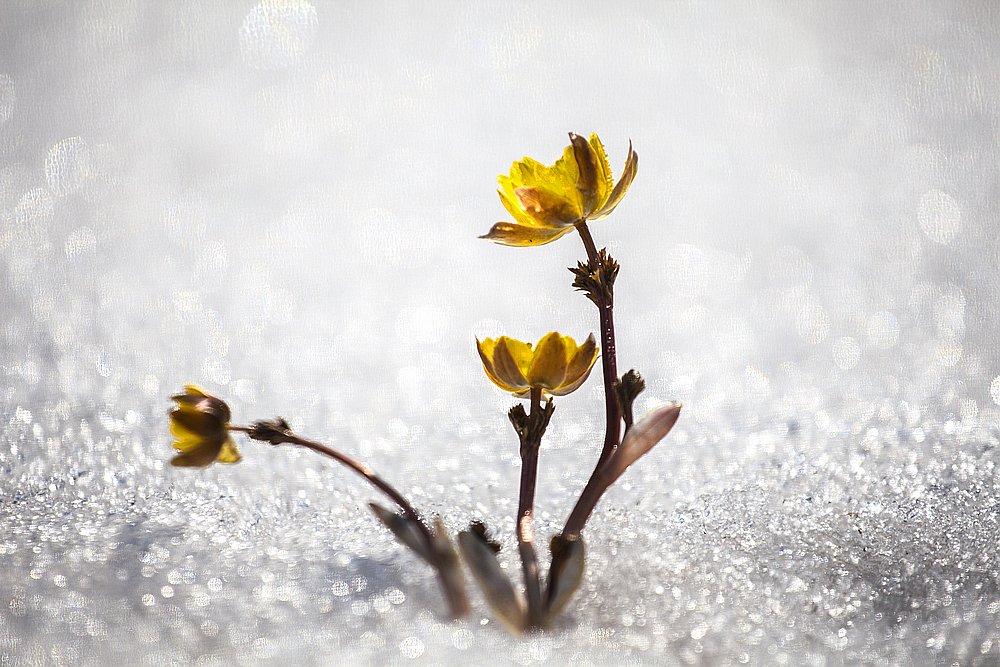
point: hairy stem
(525, 520)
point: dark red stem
(525, 520)
(612, 434)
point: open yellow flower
(199, 423)
(557, 365)
(546, 202)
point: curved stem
(584, 505)
(360, 468)
(525, 519)
(453, 588)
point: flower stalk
(531, 430)
(602, 271)
(433, 545)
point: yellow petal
(486, 349)
(587, 167)
(194, 421)
(522, 173)
(527, 171)
(197, 400)
(520, 352)
(579, 367)
(513, 206)
(560, 179)
(549, 208)
(631, 167)
(521, 236)
(548, 365)
(563, 177)
(605, 181)
(229, 453)
(198, 457)
(192, 394)
(186, 439)
(506, 366)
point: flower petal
(192, 394)
(506, 366)
(628, 175)
(195, 422)
(587, 167)
(522, 236)
(579, 367)
(513, 206)
(548, 364)
(229, 453)
(186, 439)
(486, 349)
(198, 457)
(560, 178)
(521, 352)
(605, 181)
(197, 400)
(549, 208)
(522, 173)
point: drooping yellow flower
(199, 423)
(557, 365)
(546, 202)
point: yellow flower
(547, 202)
(199, 423)
(557, 365)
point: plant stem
(609, 358)
(360, 468)
(525, 526)
(585, 505)
(612, 434)
(458, 603)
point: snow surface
(281, 201)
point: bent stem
(455, 596)
(525, 521)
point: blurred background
(281, 201)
